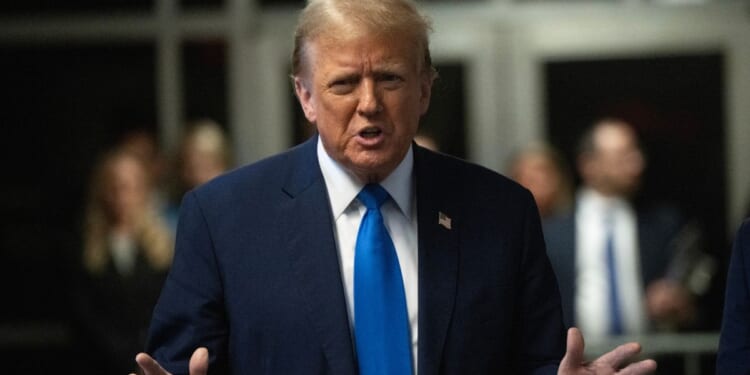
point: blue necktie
(615, 317)
(381, 325)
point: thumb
(199, 362)
(574, 352)
(149, 366)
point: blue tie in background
(615, 318)
(381, 325)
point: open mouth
(370, 133)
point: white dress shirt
(400, 216)
(592, 293)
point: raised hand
(198, 363)
(609, 363)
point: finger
(149, 365)
(574, 350)
(199, 362)
(647, 366)
(619, 356)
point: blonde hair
(151, 233)
(207, 136)
(387, 17)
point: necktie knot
(373, 196)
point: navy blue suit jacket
(734, 343)
(657, 229)
(256, 275)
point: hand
(198, 363)
(669, 302)
(609, 363)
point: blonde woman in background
(127, 249)
(203, 154)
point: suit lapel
(307, 232)
(438, 259)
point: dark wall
(62, 106)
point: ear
(304, 95)
(425, 92)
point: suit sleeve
(540, 333)
(190, 311)
(734, 344)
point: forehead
(615, 136)
(354, 50)
(126, 166)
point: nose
(369, 102)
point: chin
(370, 170)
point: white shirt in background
(592, 289)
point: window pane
(204, 80)
(68, 6)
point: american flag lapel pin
(444, 220)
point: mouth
(370, 133)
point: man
(610, 257)
(268, 275)
(734, 344)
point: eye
(390, 77)
(390, 80)
(341, 82)
(342, 85)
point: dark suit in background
(256, 276)
(112, 313)
(734, 344)
(610, 162)
(657, 229)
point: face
(538, 173)
(200, 165)
(365, 95)
(618, 163)
(127, 190)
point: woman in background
(203, 154)
(127, 251)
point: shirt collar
(343, 187)
(590, 199)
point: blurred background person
(127, 249)
(615, 260)
(203, 154)
(541, 168)
(144, 144)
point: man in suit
(611, 258)
(734, 343)
(267, 271)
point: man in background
(612, 258)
